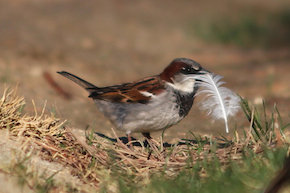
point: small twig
(56, 86)
(277, 131)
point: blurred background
(116, 41)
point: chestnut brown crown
(181, 66)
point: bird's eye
(188, 70)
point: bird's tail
(77, 80)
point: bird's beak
(197, 75)
(203, 71)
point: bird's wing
(135, 92)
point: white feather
(219, 102)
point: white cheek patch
(185, 86)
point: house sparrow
(150, 104)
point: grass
(39, 182)
(246, 30)
(250, 175)
(246, 163)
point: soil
(110, 42)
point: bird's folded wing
(136, 92)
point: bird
(150, 104)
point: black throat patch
(184, 102)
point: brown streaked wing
(129, 92)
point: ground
(110, 42)
(113, 41)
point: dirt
(12, 154)
(110, 42)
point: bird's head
(182, 73)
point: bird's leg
(153, 146)
(149, 138)
(128, 134)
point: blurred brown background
(113, 41)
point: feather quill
(219, 102)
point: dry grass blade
(53, 141)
